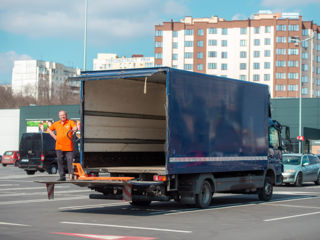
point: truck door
(274, 153)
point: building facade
(108, 61)
(40, 79)
(260, 49)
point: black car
(37, 153)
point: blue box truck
(178, 135)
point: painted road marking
(293, 206)
(14, 224)
(29, 188)
(9, 185)
(93, 206)
(43, 193)
(293, 216)
(43, 200)
(129, 227)
(105, 237)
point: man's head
(63, 115)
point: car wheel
(204, 198)
(30, 172)
(4, 165)
(53, 169)
(265, 193)
(299, 180)
(317, 182)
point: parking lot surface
(26, 213)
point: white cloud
(108, 20)
(239, 16)
(288, 3)
(6, 63)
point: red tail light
(42, 157)
(159, 178)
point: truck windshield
(291, 160)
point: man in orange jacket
(64, 145)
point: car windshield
(291, 160)
(8, 153)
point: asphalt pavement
(27, 214)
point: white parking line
(93, 206)
(14, 224)
(293, 216)
(129, 227)
(42, 200)
(9, 185)
(293, 206)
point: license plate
(24, 160)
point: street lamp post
(85, 36)
(297, 42)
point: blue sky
(53, 30)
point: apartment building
(274, 49)
(108, 61)
(40, 79)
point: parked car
(10, 158)
(37, 153)
(300, 168)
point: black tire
(204, 198)
(265, 193)
(16, 163)
(299, 180)
(317, 181)
(141, 203)
(30, 172)
(4, 165)
(53, 169)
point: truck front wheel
(204, 198)
(265, 193)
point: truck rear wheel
(204, 198)
(265, 193)
(140, 203)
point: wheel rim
(268, 189)
(205, 194)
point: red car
(10, 158)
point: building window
(256, 77)
(158, 33)
(305, 67)
(267, 65)
(200, 32)
(200, 67)
(280, 63)
(305, 32)
(212, 66)
(281, 76)
(224, 55)
(318, 82)
(257, 30)
(292, 88)
(267, 53)
(188, 55)
(267, 41)
(188, 43)
(243, 30)
(281, 27)
(224, 31)
(175, 45)
(280, 87)
(158, 44)
(293, 75)
(267, 29)
(281, 39)
(224, 43)
(293, 27)
(256, 42)
(305, 79)
(175, 56)
(304, 91)
(158, 55)
(256, 66)
(318, 58)
(243, 43)
(243, 77)
(293, 64)
(200, 55)
(281, 51)
(256, 54)
(212, 54)
(200, 43)
(305, 55)
(188, 32)
(212, 42)
(174, 66)
(224, 66)
(212, 31)
(174, 34)
(243, 54)
(318, 71)
(188, 67)
(266, 77)
(243, 66)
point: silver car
(300, 168)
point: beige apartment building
(274, 49)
